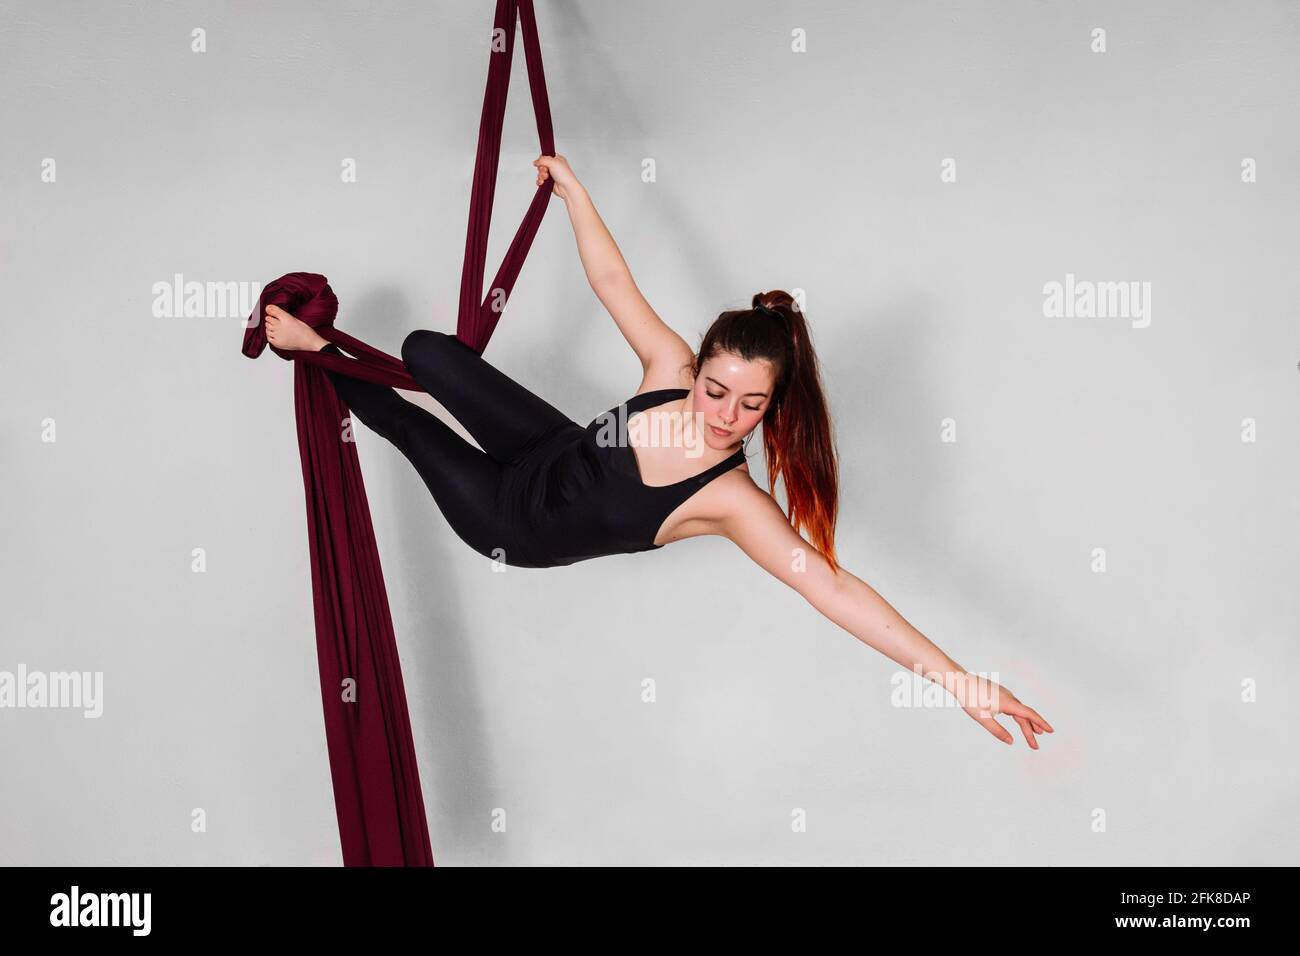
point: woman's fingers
(996, 729)
(1030, 721)
(1028, 730)
(1017, 708)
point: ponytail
(797, 437)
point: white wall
(817, 171)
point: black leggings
(506, 419)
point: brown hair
(797, 438)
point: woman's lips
(719, 432)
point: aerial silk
(376, 780)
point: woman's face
(731, 395)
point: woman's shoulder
(729, 498)
(720, 504)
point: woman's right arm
(607, 273)
(758, 526)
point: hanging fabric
(373, 766)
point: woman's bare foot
(290, 334)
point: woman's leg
(505, 418)
(462, 480)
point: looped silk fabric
(373, 768)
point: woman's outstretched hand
(983, 698)
(556, 169)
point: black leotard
(581, 499)
(544, 491)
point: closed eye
(711, 395)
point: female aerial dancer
(545, 491)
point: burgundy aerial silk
(368, 732)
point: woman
(667, 464)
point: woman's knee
(422, 345)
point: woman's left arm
(760, 528)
